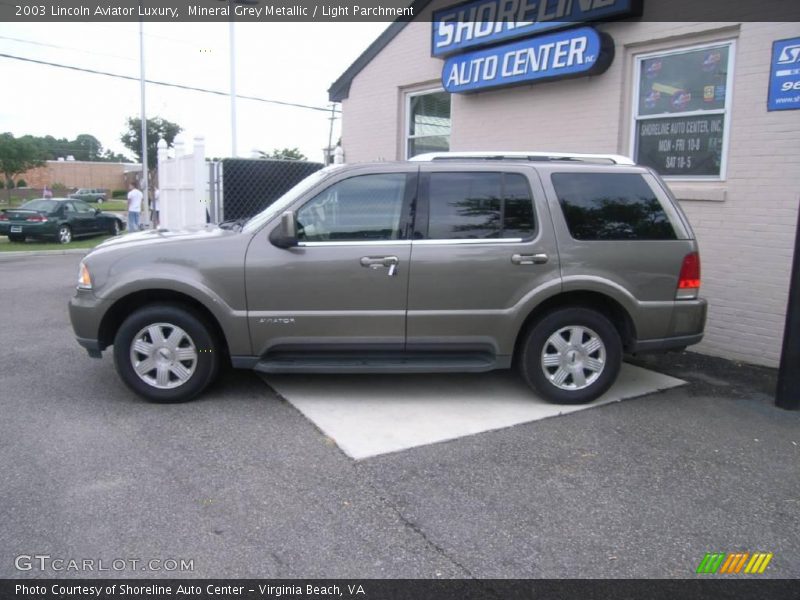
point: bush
(58, 188)
(2, 184)
(22, 183)
(119, 194)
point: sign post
(788, 392)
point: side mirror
(285, 234)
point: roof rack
(616, 159)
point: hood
(153, 237)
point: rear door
(85, 218)
(483, 246)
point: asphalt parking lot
(243, 485)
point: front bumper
(85, 314)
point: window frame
(407, 121)
(726, 111)
(422, 214)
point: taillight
(689, 279)
(3, 217)
(36, 219)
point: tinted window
(611, 206)
(479, 206)
(356, 209)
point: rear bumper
(686, 328)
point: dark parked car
(89, 195)
(59, 218)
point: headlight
(84, 279)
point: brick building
(690, 99)
(78, 174)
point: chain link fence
(240, 187)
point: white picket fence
(183, 196)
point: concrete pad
(368, 415)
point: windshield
(45, 205)
(281, 203)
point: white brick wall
(746, 239)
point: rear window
(611, 206)
(479, 206)
(45, 205)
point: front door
(344, 287)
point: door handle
(529, 259)
(377, 262)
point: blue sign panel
(784, 78)
(571, 53)
(486, 22)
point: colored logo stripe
(734, 562)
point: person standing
(47, 193)
(134, 207)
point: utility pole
(788, 391)
(145, 175)
(329, 154)
(233, 84)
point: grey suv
(557, 264)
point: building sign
(485, 22)
(572, 53)
(688, 146)
(784, 79)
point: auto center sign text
(485, 22)
(469, 37)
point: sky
(290, 62)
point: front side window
(429, 122)
(479, 206)
(681, 111)
(611, 206)
(364, 208)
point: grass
(36, 245)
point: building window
(681, 111)
(428, 123)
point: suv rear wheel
(571, 356)
(166, 353)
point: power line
(46, 45)
(167, 84)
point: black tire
(16, 239)
(581, 373)
(115, 228)
(64, 235)
(204, 367)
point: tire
(16, 239)
(581, 366)
(64, 235)
(171, 379)
(115, 228)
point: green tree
(157, 128)
(17, 156)
(285, 154)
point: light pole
(145, 174)
(233, 84)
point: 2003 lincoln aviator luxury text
(557, 264)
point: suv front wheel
(166, 353)
(571, 355)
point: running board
(380, 363)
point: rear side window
(479, 206)
(611, 206)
